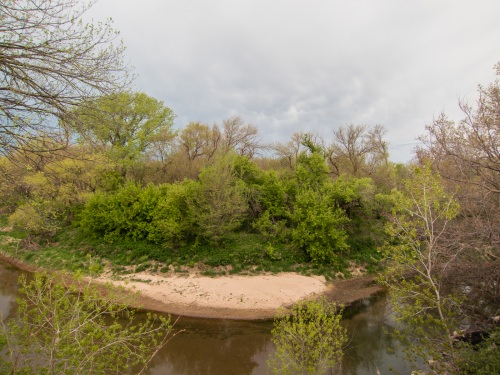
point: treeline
(130, 176)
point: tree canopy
(125, 123)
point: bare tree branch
(50, 61)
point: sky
(290, 66)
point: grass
(238, 253)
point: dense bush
(303, 210)
(319, 225)
(218, 201)
(171, 222)
(126, 213)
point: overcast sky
(290, 65)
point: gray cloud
(290, 65)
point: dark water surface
(215, 346)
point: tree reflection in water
(236, 347)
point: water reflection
(233, 347)
(8, 289)
(216, 347)
(371, 348)
(212, 346)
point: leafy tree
(311, 171)
(482, 359)
(318, 225)
(419, 256)
(126, 213)
(170, 217)
(39, 217)
(43, 193)
(51, 62)
(71, 329)
(218, 202)
(124, 124)
(309, 340)
(275, 197)
(353, 194)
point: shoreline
(236, 297)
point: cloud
(291, 65)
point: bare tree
(357, 150)
(468, 154)
(290, 151)
(51, 61)
(239, 137)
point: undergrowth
(238, 253)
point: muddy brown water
(216, 346)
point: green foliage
(318, 225)
(155, 213)
(122, 214)
(217, 201)
(39, 217)
(71, 329)
(311, 171)
(353, 195)
(128, 122)
(275, 197)
(170, 221)
(44, 210)
(482, 359)
(308, 341)
(417, 254)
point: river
(223, 347)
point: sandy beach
(228, 297)
(236, 296)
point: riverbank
(230, 297)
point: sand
(229, 297)
(235, 297)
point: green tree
(124, 124)
(170, 222)
(319, 225)
(419, 256)
(309, 340)
(482, 359)
(51, 62)
(72, 329)
(126, 213)
(218, 202)
(275, 197)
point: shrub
(319, 226)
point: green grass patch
(238, 253)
